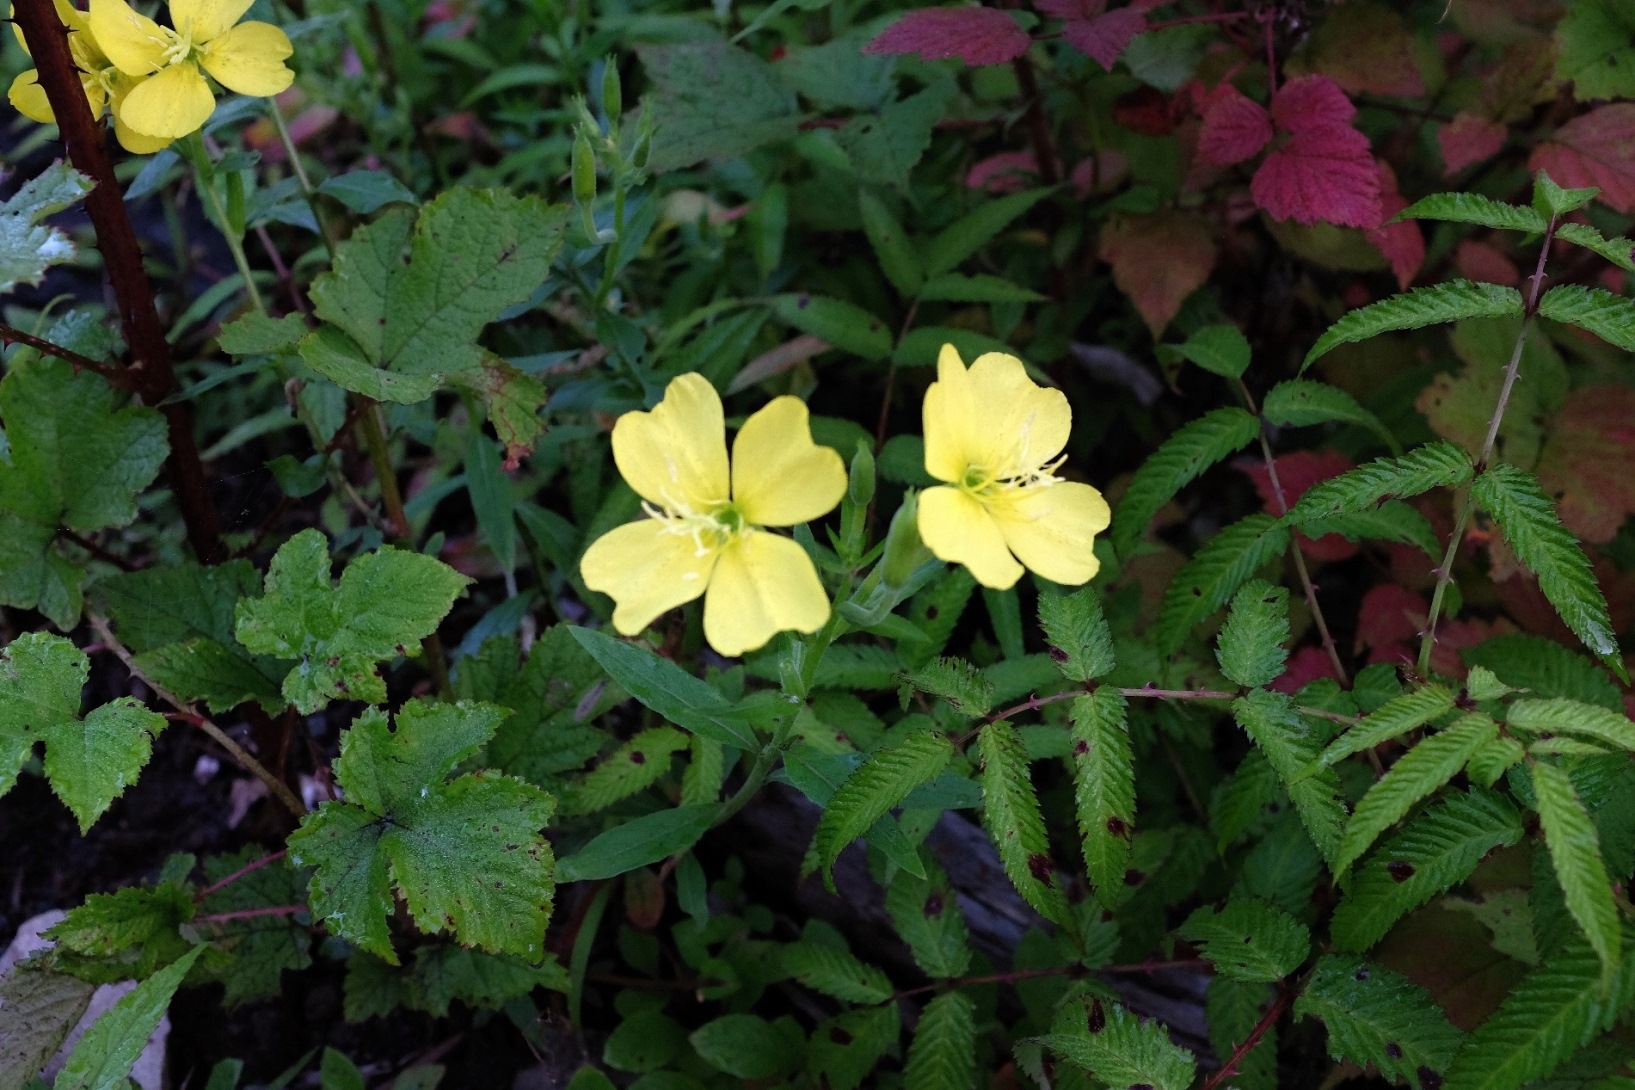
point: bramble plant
(820, 545)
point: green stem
(205, 178)
(301, 177)
(605, 288)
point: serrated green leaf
(1394, 718)
(103, 1058)
(976, 288)
(1610, 317)
(1545, 668)
(1392, 520)
(1445, 302)
(844, 325)
(466, 854)
(897, 258)
(1535, 533)
(1290, 745)
(843, 1050)
(1434, 465)
(386, 603)
(835, 972)
(672, 692)
(712, 101)
(1434, 851)
(254, 333)
(126, 934)
(968, 234)
(1595, 49)
(1477, 209)
(745, 1046)
(637, 843)
(1553, 1012)
(1575, 851)
(1300, 402)
(1248, 939)
(1375, 1016)
(1563, 716)
(1103, 789)
(882, 147)
(1118, 1048)
(925, 913)
(1620, 251)
(445, 973)
(1233, 1009)
(942, 1055)
(1010, 812)
(634, 766)
(879, 783)
(262, 946)
(1220, 349)
(1417, 773)
(956, 681)
(37, 1009)
(1251, 642)
(1550, 199)
(1077, 630)
(1243, 799)
(89, 762)
(1181, 459)
(28, 248)
(1220, 566)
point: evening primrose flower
(173, 99)
(105, 87)
(996, 438)
(705, 532)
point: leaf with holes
(1011, 814)
(1104, 789)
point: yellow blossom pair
(992, 434)
(151, 77)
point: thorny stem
(150, 373)
(46, 348)
(1267, 1021)
(248, 868)
(184, 712)
(1444, 573)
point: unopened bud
(861, 483)
(904, 550)
(612, 91)
(584, 169)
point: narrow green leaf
(844, 325)
(1220, 566)
(1251, 642)
(1550, 551)
(1445, 302)
(1610, 317)
(1081, 642)
(1181, 459)
(1248, 939)
(835, 972)
(926, 914)
(1394, 718)
(956, 681)
(1434, 465)
(1221, 349)
(942, 1055)
(1375, 1016)
(1620, 251)
(1575, 850)
(491, 498)
(1477, 209)
(672, 692)
(879, 783)
(105, 1055)
(897, 258)
(1432, 852)
(1563, 716)
(1010, 810)
(1119, 1049)
(637, 843)
(1104, 789)
(1392, 520)
(976, 288)
(1291, 744)
(1300, 402)
(1420, 771)
(968, 234)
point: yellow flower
(705, 535)
(173, 98)
(996, 438)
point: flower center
(987, 485)
(710, 530)
(178, 46)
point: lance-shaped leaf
(89, 762)
(1375, 1016)
(1248, 939)
(1300, 402)
(1118, 1048)
(1563, 716)
(387, 602)
(1182, 457)
(1220, 566)
(942, 1055)
(689, 702)
(1620, 251)
(1291, 744)
(1104, 789)
(104, 1057)
(466, 855)
(1575, 851)
(1081, 642)
(1394, 718)
(1477, 209)
(1251, 642)
(1434, 465)
(926, 914)
(1010, 811)
(878, 784)
(1610, 317)
(1446, 302)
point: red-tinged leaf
(1103, 39)
(1071, 9)
(1007, 172)
(1305, 666)
(1389, 621)
(1102, 173)
(1586, 461)
(1596, 149)
(1483, 261)
(1325, 175)
(1158, 259)
(1468, 139)
(1235, 128)
(1297, 472)
(1146, 110)
(977, 36)
(1312, 104)
(1402, 243)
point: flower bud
(861, 483)
(904, 550)
(612, 91)
(584, 168)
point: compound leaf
(874, 787)
(1420, 470)
(942, 1054)
(1290, 745)
(1477, 209)
(1610, 317)
(1251, 642)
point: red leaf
(1072, 9)
(1158, 260)
(1145, 110)
(1324, 175)
(1586, 461)
(1485, 261)
(1389, 621)
(1402, 243)
(1305, 666)
(1595, 149)
(1312, 104)
(1468, 139)
(1007, 172)
(977, 36)
(1102, 39)
(1236, 127)
(1296, 472)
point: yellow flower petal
(779, 476)
(992, 417)
(1052, 530)
(28, 98)
(206, 19)
(169, 104)
(675, 455)
(249, 59)
(949, 418)
(133, 42)
(131, 140)
(763, 584)
(647, 570)
(958, 529)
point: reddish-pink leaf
(1305, 666)
(1312, 104)
(1324, 176)
(1389, 621)
(1072, 9)
(1586, 461)
(1007, 172)
(976, 36)
(1468, 139)
(1102, 39)
(1235, 128)
(1402, 243)
(1485, 261)
(1595, 149)
(1158, 260)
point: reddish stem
(1267, 1021)
(248, 868)
(46, 348)
(252, 913)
